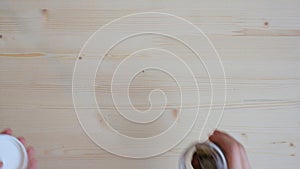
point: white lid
(12, 153)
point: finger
(222, 139)
(230, 148)
(32, 164)
(242, 151)
(22, 140)
(30, 152)
(7, 131)
(1, 164)
(223, 134)
(245, 161)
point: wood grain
(258, 42)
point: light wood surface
(258, 42)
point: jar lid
(12, 153)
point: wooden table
(258, 42)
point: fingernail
(216, 132)
(30, 150)
(21, 139)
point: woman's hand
(234, 152)
(32, 163)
